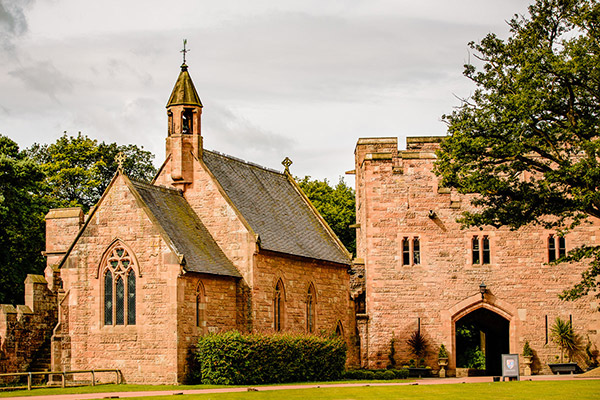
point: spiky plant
(566, 339)
(418, 344)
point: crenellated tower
(184, 140)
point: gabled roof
(184, 92)
(179, 224)
(185, 230)
(275, 209)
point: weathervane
(184, 51)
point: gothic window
(119, 288)
(556, 247)
(480, 249)
(186, 120)
(278, 306)
(339, 329)
(310, 309)
(200, 306)
(411, 251)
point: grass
(524, 390)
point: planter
(443, 363)
(527, 361)
(564, 368)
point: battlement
(25, 329)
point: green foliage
(526, 142)
(79, 169)
(336, 205)
(418, 344)
(442, 353)
(23, 205)
(392, 353)
(232, 358)
(366, 374)
(562, 333)
(527, 350)
(469, 338)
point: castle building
(212, 244)
(417, 270)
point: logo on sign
(510, 363)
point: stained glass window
(119, 288)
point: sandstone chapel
(213, 243)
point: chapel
(418, 270)
(214, 243)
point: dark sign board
(510, 366)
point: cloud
(13, 22)
(226, 131)
(43, 77)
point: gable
(274, 209)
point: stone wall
(147, 351)
(25, 330)
(398, 197)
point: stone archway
(482, 336)
(492, 311)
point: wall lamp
(482, 290)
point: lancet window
(119, 288)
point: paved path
(424, 381)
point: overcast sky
(303, 79)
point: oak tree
(528, 139)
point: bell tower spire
(184, 139)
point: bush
(365, 374)
(232, 358)
(400, 373)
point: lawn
(524, 390)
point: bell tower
(184, 140)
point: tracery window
(119, 288)
(411, 251)
(278, 306)
(310, 309)
(200, 306)
(480, 249)
(556, 247)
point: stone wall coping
(23, 309)
(377, 140)
(7, 309)
(424, 139)
(31, 278)
(70, 212)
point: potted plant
(418, 346)
(442, 360)
(527, 357)
(568, 342)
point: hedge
(365, 374)
(232, 358)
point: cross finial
(286, 163)
(184, 51)
(120, 159)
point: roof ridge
(158, 187)
(250, 163)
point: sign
(510, 366)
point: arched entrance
(481, 337)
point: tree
(79, 169)
(566, 339)
(336, 206)
(23, 204)
(527, 142)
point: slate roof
(185, 230)
(274, 209)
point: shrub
(380, 375)
(389, 375)
(400, 373)
(527, 350)
(232, 358)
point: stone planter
(564, 368)
(527, 361)
(443, 363)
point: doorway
(482, 336)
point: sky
(299, 79)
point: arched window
(339, 329)
(310, 309)
(119, 288)
(200, 306)
(278, 305)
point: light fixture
(431, 214)
(482, 290)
